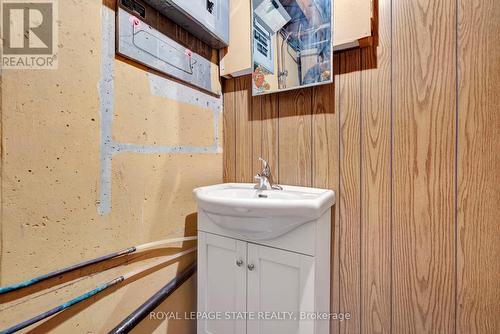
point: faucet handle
(266, 170)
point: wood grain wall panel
(416, 237)
(349, 197)
(295, 137)
(478, 167)
(244, 140)
(229, 131)
(335, 286)
(270, 134)
(376, 180)
(325, 167)
(324, 130)
(424, 105)
(256, 114)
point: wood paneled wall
(408, 138)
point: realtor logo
(29, 33)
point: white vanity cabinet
(263, 260)
(222, 281)
(239, 278)
(280, 282)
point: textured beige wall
(51, 183)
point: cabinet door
(221, 282)
(279, 281)
(352, 21)
(236, 59)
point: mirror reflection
(292, 44)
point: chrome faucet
(265, 178)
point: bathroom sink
(262, 214)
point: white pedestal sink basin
(262, 214)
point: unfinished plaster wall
(97, 156)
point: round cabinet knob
(239, 263)
(251, 267)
